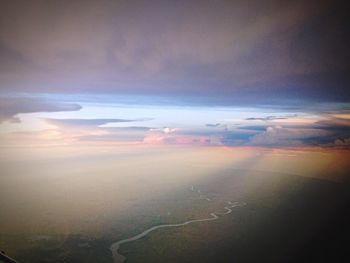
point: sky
(205, 73)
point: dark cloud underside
(11, 106)
(225, 50)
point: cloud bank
(228, 50)
(11, 106)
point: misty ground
(287, 218)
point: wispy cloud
(81, 123)
(270, 118)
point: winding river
(118, 258)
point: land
(287, 218)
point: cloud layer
(223, 50)
(11, 106)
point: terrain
(287, 218)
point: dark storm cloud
(226, 50)
(11, 106)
